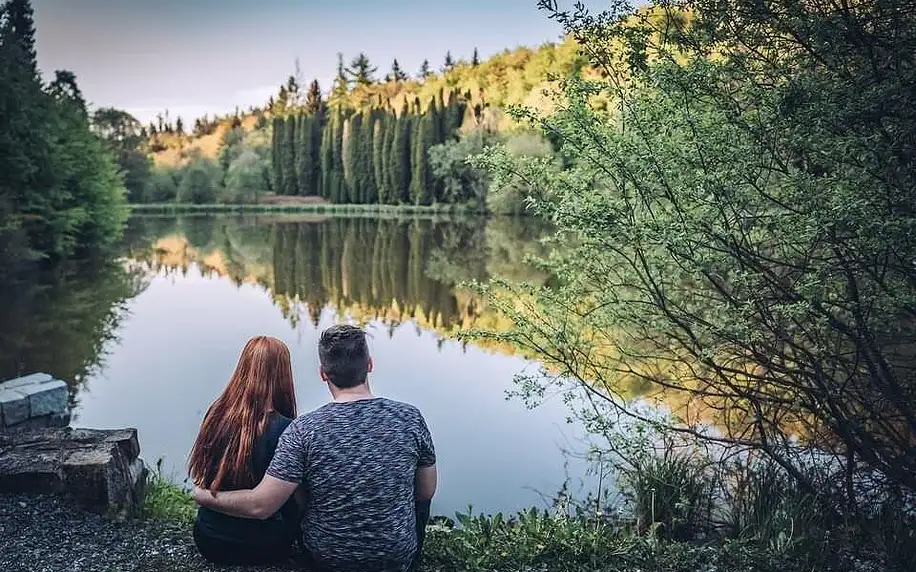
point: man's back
(357, 461)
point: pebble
(45, 534)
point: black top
(280, 528)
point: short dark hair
(344, 355)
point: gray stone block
(25, 380)
(99, 469)
(46, 397)
(14, 407)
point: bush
(161, 186)
(199, 182)
(245, 178)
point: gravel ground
(43, 534)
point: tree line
(374, 155)
(61, 192)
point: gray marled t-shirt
(357, 462)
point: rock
(26, 380)
(33, 396)
(100, 469)
(14, 407)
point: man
(366, 464)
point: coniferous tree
(475, 59)
(378, 156)
(327, 160)
(313, 102)
(421, 191)
(449, 63)
(397, 74)
(303, 154)
(338, 184)
(386, 189)
(425, 70)
(350, 150)
(60, 191)
(341, 87)
(361, 71)
(288, 156)
(368, 189)
(276, 151)
(310, 164)
(400, 159)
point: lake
(149, 342)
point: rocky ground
(42, 534)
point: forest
(388, 141)
(62, 193)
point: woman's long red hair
(262, 383)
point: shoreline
(316, 208)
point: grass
(318, 208)
(166, 500)
(772, 531)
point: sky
(207, 56)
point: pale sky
(205, 56)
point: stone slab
(14, 407)
(30, 379)
(100, 469)
(46, 397)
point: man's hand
(260, 503)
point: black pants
(232, 553)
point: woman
(233, 450)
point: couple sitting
(351, 481)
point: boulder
(99, 469)
(35, 396)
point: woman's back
(280, 527)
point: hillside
(513, 77)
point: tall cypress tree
(338, 184)
(421, 191)
(350, 149)
(368, 192)
(303, 154)
(276, 153)
(327, 160)
(312, 150)
(378, 156)
(386, 189)
(290, 179)
(400, 159)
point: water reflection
(392, 270)
(60, 323)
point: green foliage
(735, 228)
(199, 182)
(165, 500)
(162, 186)
(123, 137)
(450, 164)
(60, 190)
(421, 182)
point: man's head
(344, 356)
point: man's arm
(426, 481)
(260, 503)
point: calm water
(151, 342)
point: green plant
(166, 500)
